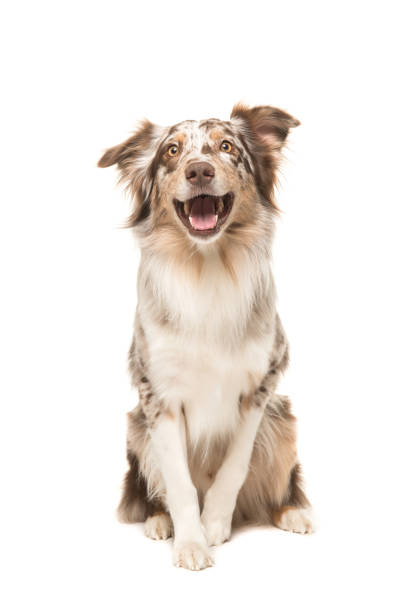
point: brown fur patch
(169, 242)
(296, 495)
(216, 135)
(277, 513)
(135, 505)
(227, 263)
(206, 149)
(246, 402)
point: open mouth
(204, 214)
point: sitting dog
(210, 444)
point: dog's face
(200, 175)
(202, 179)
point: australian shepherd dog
(210, 445)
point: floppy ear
(265, 130)
(266, 124)
(134, 158)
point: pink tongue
(202, 214)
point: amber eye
(173, 150)
(226, 146)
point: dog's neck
(211, 293)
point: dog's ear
(267, 125)
(134, 158)
(265, 130)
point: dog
(210, 444)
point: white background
(76, 77)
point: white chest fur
(205, 378)
(205, 361)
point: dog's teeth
(220, 205)
(216, 218)
(191, 220)
(186, 207)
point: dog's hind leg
(273, 491)
(137, 504)
(296, 515)
(132, 507)
(158, 526)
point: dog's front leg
(221, 497)
(169, 444)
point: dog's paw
(299, 520)
(192, 555)
(217, 528)
(158, 526)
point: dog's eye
(173, 150)
(226, 146)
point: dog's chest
(207, 358)
(206, 379)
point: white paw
(299, 520)
(217, 528)
(158, 526)
(192, 555)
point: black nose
(200, 173)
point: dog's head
(204, 179)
